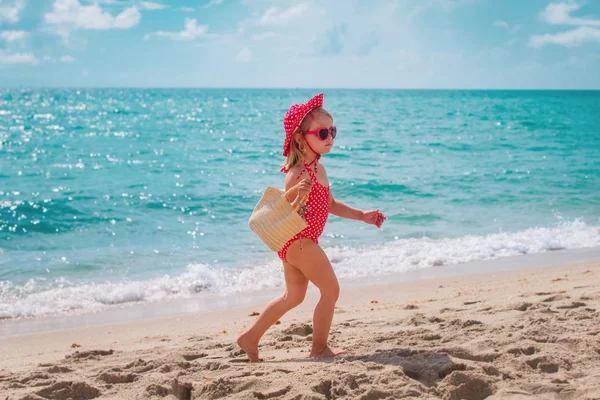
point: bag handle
(297, 203)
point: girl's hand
(304, 188)
(374, 217)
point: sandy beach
(522, 334)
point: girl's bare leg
(296, 284)
(314, 264)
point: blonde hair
(296, 153)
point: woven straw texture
(274, 220)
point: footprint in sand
(272, 394)
(157, 390)
(140, 366)
(556, 297)
(89, 355)
(215, 366)
(184, 365)
(517, 351)
(574, 304)
(56, 369)
(521, 307)
(115, 378)
(465, 323)
(298, 329)
(34, 379)
(543, 364)
(467, 385)
(429, 337)
(192, 357)
(465, 354)
(182, 390)
(69, 390)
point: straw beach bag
(274, 219)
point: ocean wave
(39, 297)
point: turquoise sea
(111, 196)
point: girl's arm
(343, 210)
(340, 209)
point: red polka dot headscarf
(295, 115)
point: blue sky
(269, 43)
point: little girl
(309, 134)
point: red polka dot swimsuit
(316, 214)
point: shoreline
(143, 311)
(528, 331)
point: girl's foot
(249, 346)
(326, 352)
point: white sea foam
(40, 297)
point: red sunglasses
(323, 132)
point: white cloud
(150, 5)
(572, 38)
(244, 56)
(10, 10)
(275, 16)
(296, 31)
(559, 14)
(17, 58)
(128, 18)
(191, 31)
(186, 9)
(69, 15)
(11, 36)
(501, 24)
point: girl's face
(320, 146)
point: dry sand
(522, 334)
